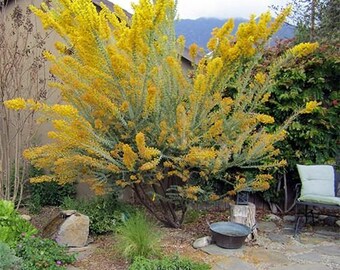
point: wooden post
(245, 214)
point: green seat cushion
(320, 199)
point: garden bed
(103, 254)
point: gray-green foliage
(138, 237)
(8, 260)
(167, 263)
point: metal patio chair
(319, 188)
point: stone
(329, 250)
(216, 250)
(74, 231)
(82, 253)
(322, 217)
(234, 264)
(264, 256)
(266, 226)
(308, 257)
(330, 221)
(68, 213)
(338, 223)
(26, 217)
(278, 238)
(289, 218)
(202, 242)
(272, 217)
(314, 266)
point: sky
(222, 9)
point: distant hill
(199, 31)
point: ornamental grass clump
(132, 116)
(138, 237)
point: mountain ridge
(199, 30)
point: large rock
(202, 242)
(74, 231)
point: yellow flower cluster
(149, 165)
(265, 119)
(190, 192)
(311, 106)
(15, 104)
(145, 152)
(260, 77)
(129, 157)
(200, 156)
(214, 197)
(304, 49)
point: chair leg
(306, 213)
(297, 226)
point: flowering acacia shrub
(133, 116)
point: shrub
(49, 193)
(8, 260)
(39, 253)
(105, 212)
(12, 226)
(132, 116)
(141, 263)
(138, 237)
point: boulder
(68, 213)
(338, 223)
(74, 231)
(202, 242)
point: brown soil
(174, 241)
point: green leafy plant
(192, 215)
(138, 237)
(310, 139)
(8, 260)
(12, 226)
(105, 212)
(167, 263)
(39, 253)
(49, 193)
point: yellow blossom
(260, 77)
(304, 49)
(311, 106)
(145, 152)
(214, 197)
(149, 165)
(15, 104)
(193, 51)
(129, 157)
(265, 119)
(265, 97)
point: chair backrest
(317, 180)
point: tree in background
(21, 75)
(131, 116)
(316, 20)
